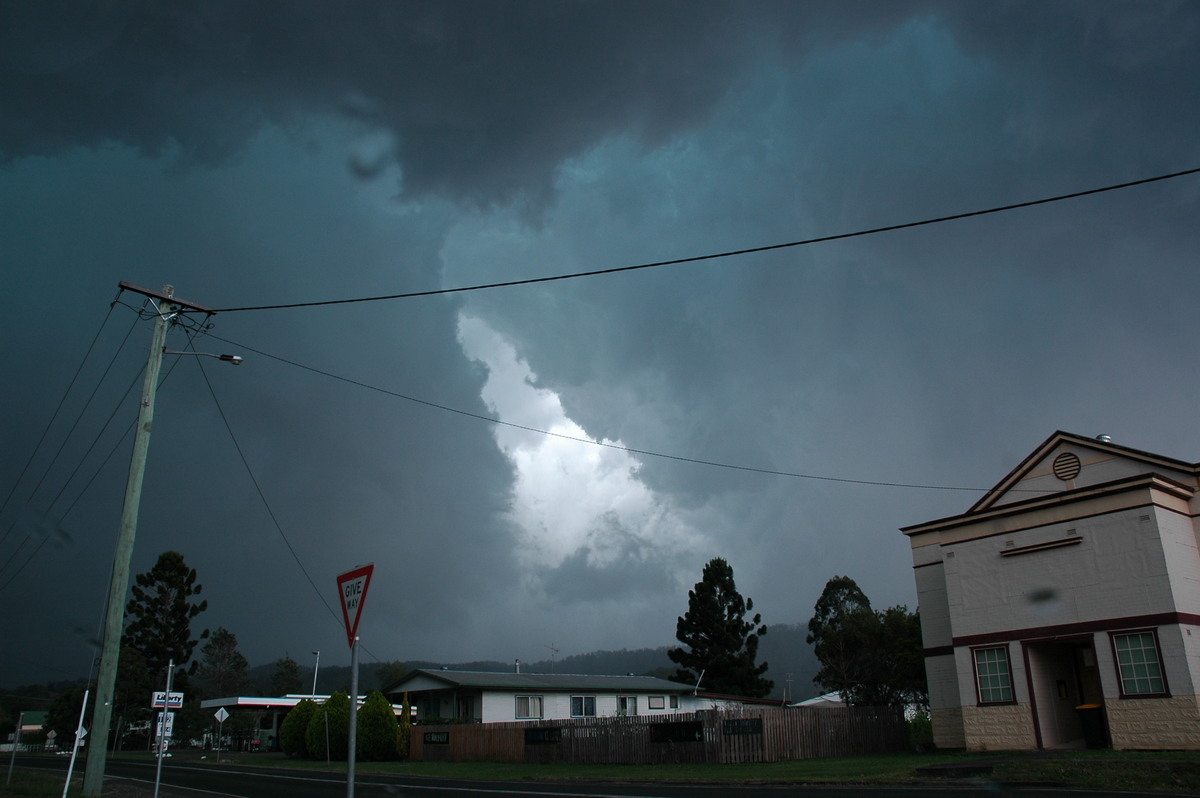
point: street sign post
(352, 587)
(221, 715)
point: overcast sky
(549, 466)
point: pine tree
(721, 644)
(160, 616)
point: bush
(294, 729)
(377, 729)
(404, 729)
(328, 733)
(920, 733)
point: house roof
(540, 681)
(1037, 479)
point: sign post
(221, 715)
(352, 587)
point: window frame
(656, 702)
(979, 688)
(631, 705)
(583, 707)
(1157, 649)
(529, 699)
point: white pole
(162, 727)
(79, 732)
(16, 744)
(316, 668)
(353, 741)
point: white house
(507, 697)
(1063, 607)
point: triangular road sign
(352, 587)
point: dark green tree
(328, 729)
(388, 673)
(294, 729)
(62, 717)
(160, 615)
(375, 737)
(223, 670)
(286, 678)
(720, 643)
(871, 658)
(404, 732)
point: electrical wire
(731, 253)
(603, 444)
(258, 489)
(267, 505)
(37, 447)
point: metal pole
(79, 732)
(162, 727)
(352, 743)
(16, 744)
(114, 619)
(316, 668)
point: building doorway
(1065, 692)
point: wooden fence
(758, 734)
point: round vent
(1067, 466)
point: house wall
(501, 706)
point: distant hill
(783, 648)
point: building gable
(1066, 462)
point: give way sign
(352, 587)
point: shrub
(377, 728)
(294, 729)
(328, 733)
(920, 733)
(404, 728)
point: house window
(993, 676)
(674, 702)
(529, 706)
(583, 706)
(657, 702)
(1139, 664)
(626, 705)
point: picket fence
(758, 734)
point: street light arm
(234, 359)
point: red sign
(352, 587)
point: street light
(234, 359)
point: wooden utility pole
(167, 307)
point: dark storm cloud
(483, 98)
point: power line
(730, 253)
(590, 441)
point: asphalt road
(238, 782)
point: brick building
(1063, 608)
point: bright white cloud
(572, 497)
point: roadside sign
(163, 700)
(352, 587)
(221, 715)
(159, 731)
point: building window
(993, 676)
(657, 702)
(674, 702)
(583, 706)
(529, 706)
(626, 705)
(1139, 664)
